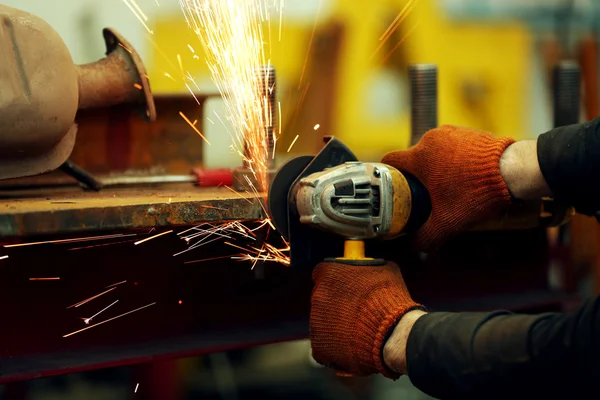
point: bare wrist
(394, 350)
(520, 170)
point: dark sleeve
(506, 356)
(569, 159)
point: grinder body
(327, 205)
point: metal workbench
(72, 210)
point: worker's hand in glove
(460, 168)
(354, 310)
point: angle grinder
(349, 201)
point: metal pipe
(566, 87)
(423, 96)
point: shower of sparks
(266, 253)
(230, 32)
(56, 278)
(90, 298)
(116, 284)
(317, 126)
(229, 231)
(108, 320)
(3, 257)
(83, 239)
(408, 7)
(293, 143)
(152, 237)
(87, 320)
(139, 14)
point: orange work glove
(460, 167)
(354, 310)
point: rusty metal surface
(24, 213)
(115, 140)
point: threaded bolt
(423, 96)
(266, 82)
(566, 86)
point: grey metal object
(566, 82)
(423, 94)
(354, 200)
(267, 84)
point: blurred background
(494, 59)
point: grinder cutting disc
(308, 246)
(279, 190)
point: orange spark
(87, 320)
(101, 245)
(137, 86)
(193, 126)
(83, 239)
(121, 44)
(108, 320)
(300, 102)
(140, 16)
(312, 36)
(394, 25)
(238, 193)
(206, 259)
(293, 142)
(90, 298)
(214, 208)
(400, 42)
(317, 126)
(180, 302)
(117, 284)
(45, 279)
(152, 237)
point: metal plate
(68, 211)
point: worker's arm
(499, 355)
(470, 175)
(563, 163)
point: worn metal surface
(73, 210)
(114, 140)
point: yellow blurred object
(483, 72)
